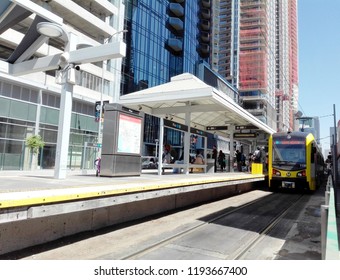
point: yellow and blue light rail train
(295, 161)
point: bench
(193, 167)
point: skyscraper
(255, 49)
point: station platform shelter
(188, 104)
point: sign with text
(129, 134)
(240, 127)
(175, 125)
(244, 135)
(198, 132)
(221, 127)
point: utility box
(122, 141)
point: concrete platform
(22, 188)
(36, 208)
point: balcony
(204, 48)
(175, 44)
(177, 9)
(205, 36)
(206, 3)
(205, 13)
(176, 23)
(205, 24)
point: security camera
(74, 66)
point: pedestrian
(199, 158)
(97, 165)
(166, 157)
(221, 160)
(214, 156)
(257, 157)
(239, 160)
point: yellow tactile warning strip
(39, 197)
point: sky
(319, 62)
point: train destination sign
(244, 135)
(221, 127)
(240, 127)
(175, 125)
(198, 132)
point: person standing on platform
(221, 160)
(239, 160)
(214, 156)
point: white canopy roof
(186, 93)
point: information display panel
(129, 134)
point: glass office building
(165, 39)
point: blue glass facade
(163, 41)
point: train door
(313, 168)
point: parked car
(149, 162)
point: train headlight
(302, 173)
(276, 172)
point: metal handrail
(329, 231)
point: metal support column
(65, 113)
(231, 157)
(160, 147)
(187, 142)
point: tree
(34, 143)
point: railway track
(261, 216)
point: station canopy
(185, 93)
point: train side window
(313, 153)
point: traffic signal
(97, 111)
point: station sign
(244, 135)
(221, 127)
(240, 127)
(175, 125)
(198, 132)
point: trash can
(256, 168)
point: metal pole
(186, 156)
(100, 140)
(160, 147)
(335, 162)
(156, 140)
(64, 130)
(65, 113)
(231, 150)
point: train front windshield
(289, 152)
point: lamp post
(53, 30)
(100, 135)
(67, 61)
(335, 162)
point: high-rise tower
(255, 49)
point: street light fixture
(67, 61)
(52, 30)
